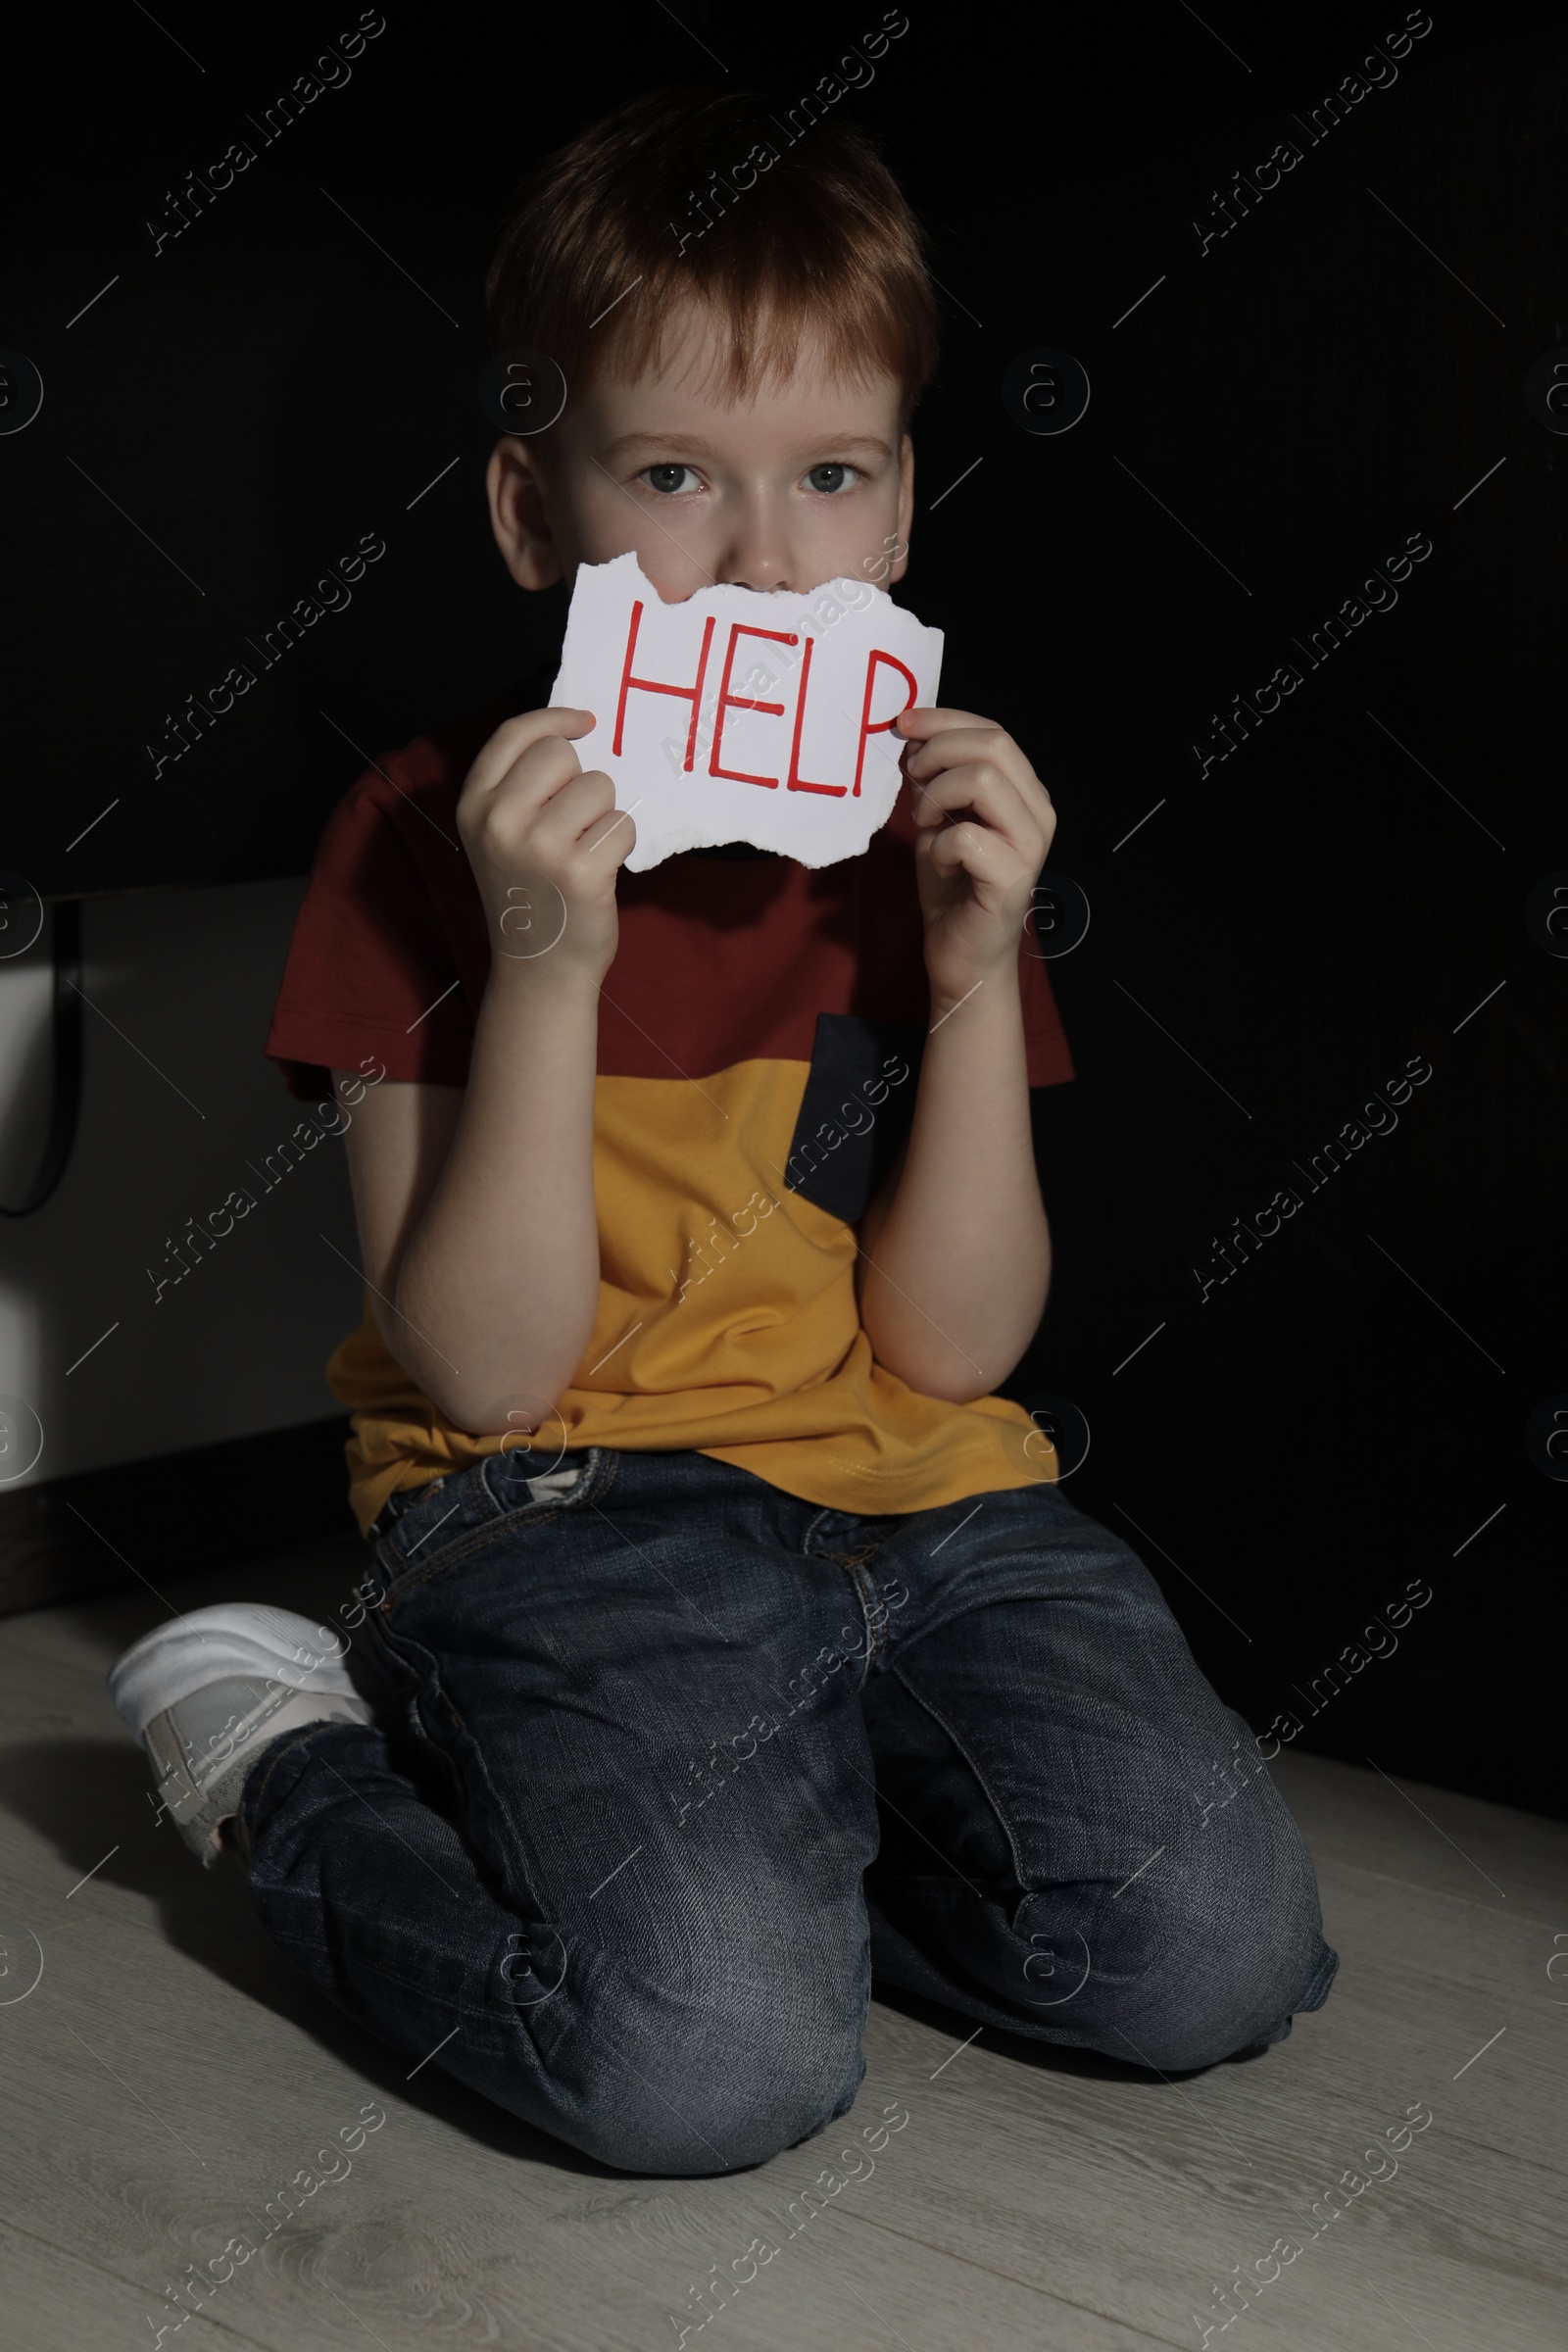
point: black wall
(1344, 370)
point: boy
(738, 1638)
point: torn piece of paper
(744, 715)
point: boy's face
(808, 481)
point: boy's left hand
(976, 873)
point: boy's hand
(976, 874)
(546, 844)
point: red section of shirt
(720, 959)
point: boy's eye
(830, 478)
(666, 479)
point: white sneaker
(205, 1693)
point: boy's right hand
(546, 844)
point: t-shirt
(760, 1032)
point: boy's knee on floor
(663, 2075)
(1237, 1945)
(718, 2101)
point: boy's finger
(981, 744)
(995, 800)
(514, 735)
(544, 798)
(976, 851)
(926, 718)
(532, 781)
(616, 831)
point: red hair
(689, 194)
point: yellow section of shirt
(727, 1324)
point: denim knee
(652, 2077)
(1233, 1934)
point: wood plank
(1415, 1835)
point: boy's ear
(905, 507)
(515, 483)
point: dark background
(1273, 944)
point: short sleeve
(1045, 1038)
(372, 975)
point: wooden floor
(165, 2075)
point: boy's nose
(757, 553)
(740, 574)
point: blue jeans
(674, 1762)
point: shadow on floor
(87, 1796)
(1056, 2058)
